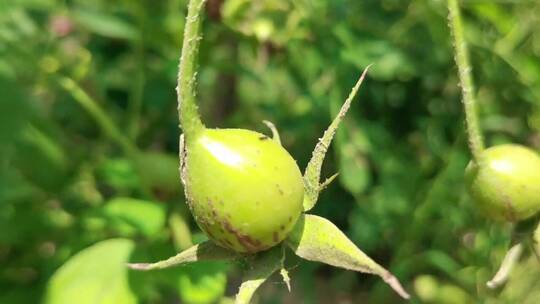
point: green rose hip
(506, 186)
(247, 194)
(245, 190)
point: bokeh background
(89, 141)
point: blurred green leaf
(203, 282)
(106, 25)
(118, 173)
(316, 239)
(146, 217)
(96, 275)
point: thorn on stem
(328, 181)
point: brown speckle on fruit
(236, 179)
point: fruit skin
(244, 190)
(507, 184)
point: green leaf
(204, 282)
(262, 267)
(106, 25)
(313, 170)
(316, 239)
(118, 173)
(96, 275)
(206, 251)
(145, 216)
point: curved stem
(190, 120)
(476, 143)
(97, 113)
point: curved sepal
(510, 260)
(206, 251)
(275, 133)
(312, 174)
(316, 239)
(261, 267)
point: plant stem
(190, 120)
(137, 91)
(476, 143)
(97, 113)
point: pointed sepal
(312, 174)
(275, 133)
(206, 251)
(262, 266)
(316, 239)
(510, 260)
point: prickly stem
(190, 120)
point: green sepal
(262, 266)
(206, 251)
(316, 239)
(312, 174)
(275, 133)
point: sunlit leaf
(316, 239)
(206, 251)
(96, 275)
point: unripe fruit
(244, 189)
(506, 186)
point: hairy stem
(476, 142)
(190, 120)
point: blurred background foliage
(89, 142)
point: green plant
(247, 193)
(503, 180)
